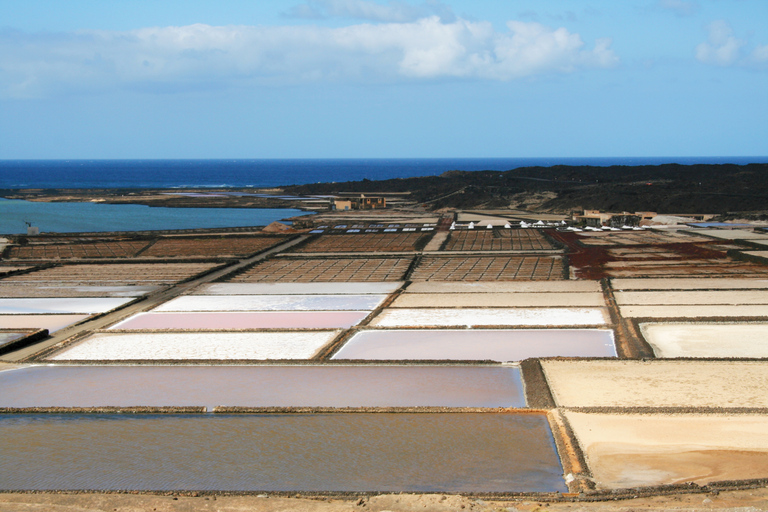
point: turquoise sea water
(93, 217)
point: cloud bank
(202, 56)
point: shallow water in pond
(455, 452)
(50, 322)
(241, 320)
(262, 386)
(496, 345)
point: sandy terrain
(203, 345)
(658, 383)
(297, 288)
(60, 305)
(712, 297)
(631, 450)
(490, 316)
(703, 283)
(498, 300)
(697, 311)
(506, 287)
(748, 340)
(273, 303)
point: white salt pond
(504, 287)
(696, 311)
(748, 340)
(453, 452)
(243, 320)
(490, 316)
(272, 303)
(50, 322)
(298, 288)
(60, 305)
(495, 345)
(199, 345)
(262, 386)
(504, 300)
(691, 297)
(689, 283)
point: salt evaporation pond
(27, 290)
(459, 452)
(707, 339)
(496, 345)
(199, 345)
(60, 305)
(243, 320)
(272, 303)
(50, 322)
(262, 386)
(297, 288)
(10, 337)
(428, 317)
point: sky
(382, 78)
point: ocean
(15, 174)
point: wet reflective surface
(496, 345)
(262, 386)
(315, 452)
(8, 337)
(273, 303)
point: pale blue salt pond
(98, 217)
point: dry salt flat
(243, 320)
(499, 300)
(691, 297)
(696, 311)
(199, 345)
(272, 303)
(505, 286)
(658, 383)
(747, 340)
(490, 316)
(702, 283)
(631, 450)
(482, 344)
(50, 322)
(60, 305)
(298, 288)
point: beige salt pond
(503, 287)
(702, 283)
(631, 450)
(50, 322)
(297, 288)
(495, 345)
(711, 297)
(658, 383)
(695, 311)
(426, 317)
(262, 386)
(199, 345)
(243, 320)
(746, 340)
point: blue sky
(377, 78)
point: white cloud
(679, 7)
(203, 56)
(722, 48)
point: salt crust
(273, 303)
(659, 383)
(707, 339)
(711, 297)
(504, 287)
(297, 288)
(452, 300)
(697, 311)
(490, 316)
(203, 345)
(60, 305)
(704, 283)
(631, 450)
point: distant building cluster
(361, 202)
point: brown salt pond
(50, 322)
(631, 450)
(243, 320)
(480, 344)
(262, 386)
(454, 452)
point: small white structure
(471, 225)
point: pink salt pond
(262, 386)
(243, 320)
(496, 345)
